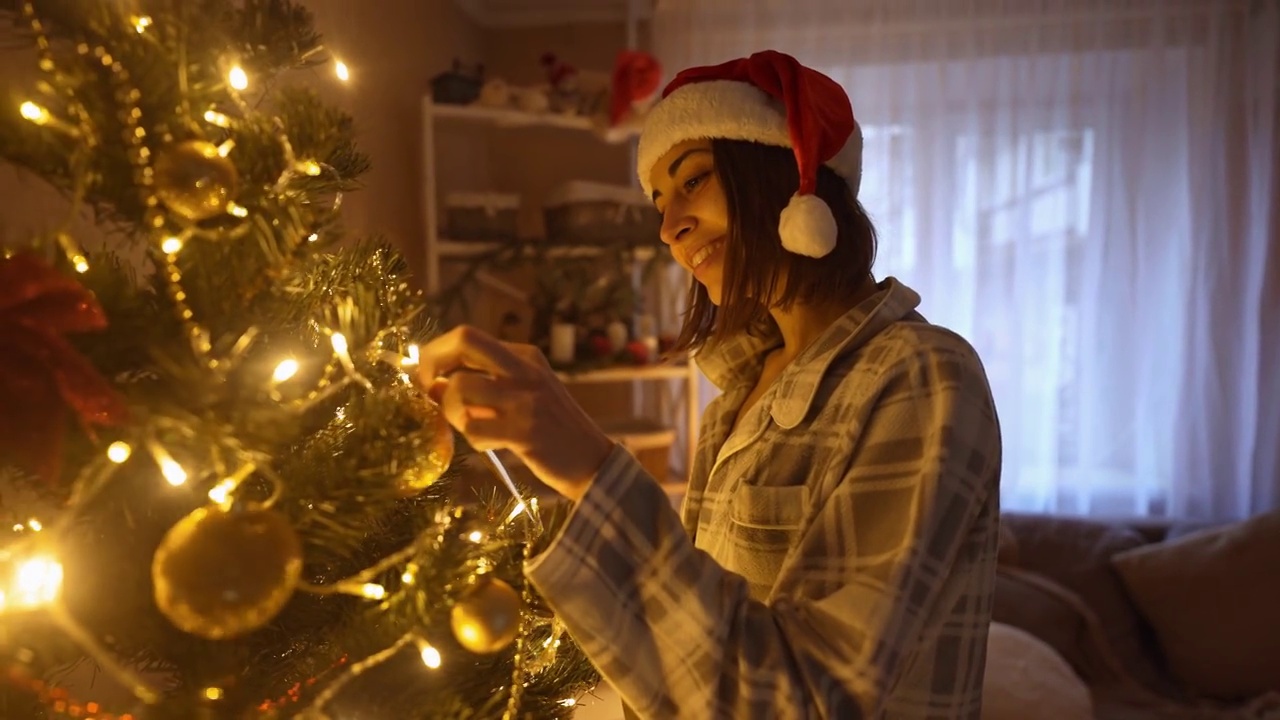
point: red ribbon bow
(41, 373)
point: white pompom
(807, 226)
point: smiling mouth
(703, 253)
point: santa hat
(636, 77)
(768, 98)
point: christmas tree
(224, 487)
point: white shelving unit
(439, 250)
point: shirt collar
(738, 360)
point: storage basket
(457, 86)
(581, 212)
(481, 216)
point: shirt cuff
(617, 517)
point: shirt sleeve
(679, 636)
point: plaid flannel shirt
(836, 554)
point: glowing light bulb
(237, 210)
(412, 358)
(407, 577)
(373, 591)
(34, 113)
(216, 118)
(341, 70)
(213, 693)
(568, 702)
(34, 524)
(226, 147)
(36, 582)
(339, 342)
(475, 536)
(171, 244)
(172, 471)
(141, 23)
(310, 167)
(81, 263)
(285, 370)
(118, 452)
(430, 656)
(237, 77)
(313, 237)
(222, 491)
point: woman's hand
(505, 396)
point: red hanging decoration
(42, 375)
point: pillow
(1212, 597)
(1059, 618)
(1076, 553)
(1025, 678)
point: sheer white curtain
(1086, 190)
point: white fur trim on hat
(807, 226)
(728, 110)
(714, 109)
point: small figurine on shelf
(496, 93)
(562, 82)
(531, 99)
(571, 91)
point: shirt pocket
(764, 522)
(768, 507)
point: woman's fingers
(466, 348)
(482, 407)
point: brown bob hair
(758, 182)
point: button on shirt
(835, 555)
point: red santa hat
(768, 98)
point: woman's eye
(692, 183)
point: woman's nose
(675, 226)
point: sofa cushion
(1212, 597)
(1024, 676)
(1076, 553)
(1055, 615)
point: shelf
(469, 248)
(624, 373)
(513, 118)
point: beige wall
(394, 48)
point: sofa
(1151, 620)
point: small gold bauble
(218, 574)
(487, 618)
(194, 180)
(435, 449)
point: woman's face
(695, 218)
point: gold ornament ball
(487, 618)
(193, 180)
(435, 447)
(219, 574)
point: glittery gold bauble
(194, 180)
(487, 618)
(219, 574)
(434, 449)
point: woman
(836, 550)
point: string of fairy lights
(488, 618)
